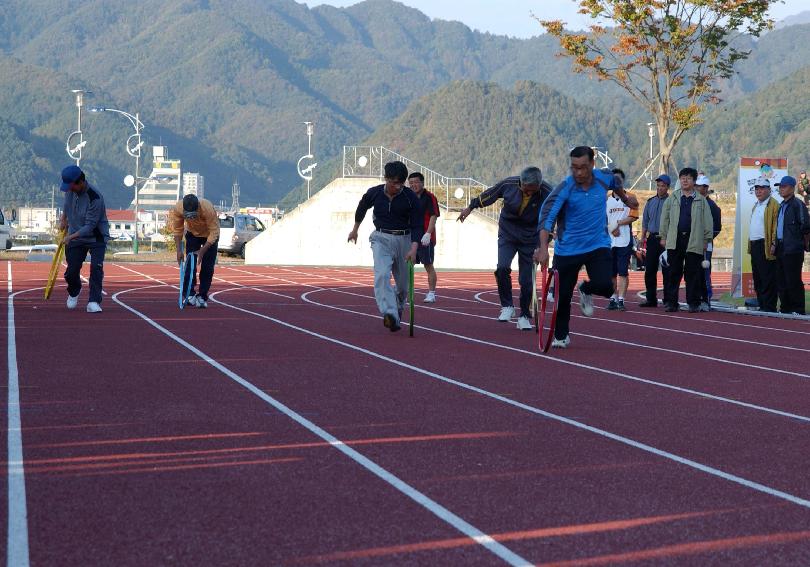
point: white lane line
(537, 411)
(420, 498)
(17, 541)
(612, 373)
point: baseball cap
(788, 180)
(761, 182)
(191, 206)
(664, 179)
(702, 180)
(70, 175)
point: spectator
(622, 212)
(804, 187)
(686, 227)
(792, 236)
(430, 211)
(651, 240)
(702, 185)
(761, 239)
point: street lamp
(651, 131)
(75, 151)
(134, 145)
(306, 172)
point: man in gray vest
(651, 240)
(85, 218)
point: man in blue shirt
(792, 236)
(398, 231)
(84, 217)
(577, 207)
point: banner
(772, 169)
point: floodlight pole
(651, 131)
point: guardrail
(453, 193)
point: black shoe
(671, 308)
(649, 303)
(612, 306)
(620, 305)
(390, 322)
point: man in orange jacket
(198, 219)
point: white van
(236, 230)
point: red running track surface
(285, 425)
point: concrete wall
(314, 234)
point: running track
(285, 426)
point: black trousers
(651, 260)
(194, 243)
(686, 265)
(599, 265)
(507, 248)
(74, 257)
(789, 281)
(764, 272)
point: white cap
(702, 180)
(762, 182)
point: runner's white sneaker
(72, 301)
(524, 324)
(430, 297)
(191, 300)
(201, 303)
(561, 343)
(93, 307)
(506, 314)
(585, 302)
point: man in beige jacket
(198, 219)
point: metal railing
(453, 193)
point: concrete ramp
(315, 233)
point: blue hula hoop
(185, 283)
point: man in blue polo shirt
(577, 207)
(398, 231)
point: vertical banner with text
(772, 169)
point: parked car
(236, 230)
(6, 233)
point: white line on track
(17, 543)
(537, 411)
(432, 506)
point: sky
(513, 17)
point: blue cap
(69, 176)
(788, 180)
(664, 178)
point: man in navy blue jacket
(517, 234)
(792, 237)
(398, 231)
(84, 217)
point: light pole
(306, 173)
(651, 132)
(75, 152)
(134, 145)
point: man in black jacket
(702, 186)
(792, 237)
(518, 233)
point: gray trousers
(389, 258)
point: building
(162, 188)
(122, 223)
(194, 184)
(35, 222)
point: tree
(668, 55)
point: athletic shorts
(424, 254)
(621, 259)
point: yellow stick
(56, 263)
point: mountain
(226, 85)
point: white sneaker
(506, 314)
(524, 324)
(72, 301)
(550, 297)
(201, 303)
(430, 297)
(585, 302)
(93, 307)
(191, 300)
(561, 343)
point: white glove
(663, 260)
(426, 239)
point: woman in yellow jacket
(686, 230)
